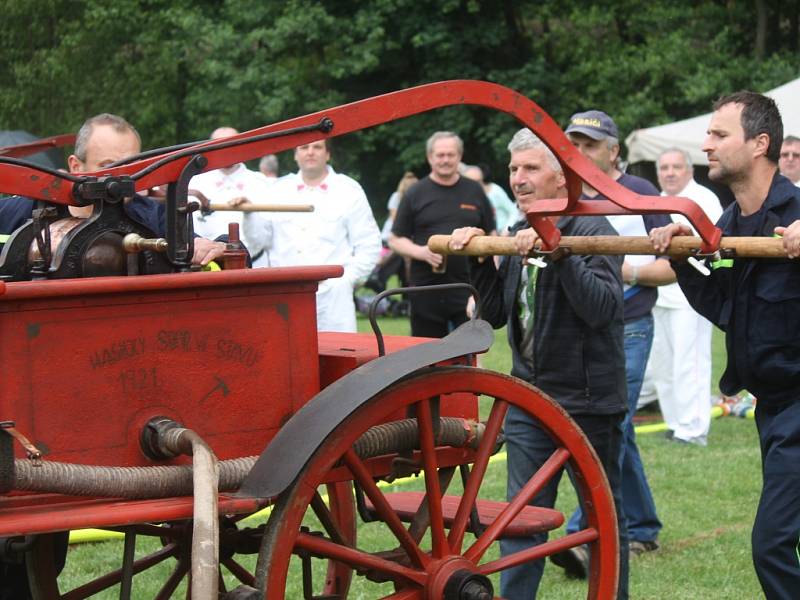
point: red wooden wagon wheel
(448, 565)
(175, 538)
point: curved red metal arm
(20, 150)
(390, 107)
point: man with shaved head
(231, 185)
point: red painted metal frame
(20, 150)
(391, 107)
(44, 513)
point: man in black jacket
(757, 304)
(565, 329)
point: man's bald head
(223, 132)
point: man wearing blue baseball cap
(596, 136)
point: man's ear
(761, 145)
(614, 154)
(561, 179)
(75, 164)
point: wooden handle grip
(222, 206)
(681, 246)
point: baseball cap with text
(594, 123)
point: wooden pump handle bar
(681, 246)
(222, 206)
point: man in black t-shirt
(438, 204)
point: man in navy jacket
(101, 141)
(757, 303)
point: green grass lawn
(706, 498)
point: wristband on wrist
(634, 276)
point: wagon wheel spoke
(421, 520)
(323, 547)
(540, 551)
(238, 571)
(325, 517)
(384, 510)
(114, 577)
(432, 487)
(549, 469)
(221, 583)
(485, 450)
(170, 585)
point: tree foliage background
(179, 68)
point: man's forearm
(652, 274)
(404, 246)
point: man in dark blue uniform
(757, 303)
(101, 141)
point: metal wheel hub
(464, 585)
(455, 578)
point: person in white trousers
(680, 362)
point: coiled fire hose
(168, 481)
(206, 476)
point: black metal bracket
(42, 218)
(180, 228)
(90, 190)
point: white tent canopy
(647, 144)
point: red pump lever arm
(55, 141)
(381, 109)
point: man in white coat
(340, 231)
(229, 185)
(680, 363)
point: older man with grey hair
(565, 330)
(439, 203)
(680, 362)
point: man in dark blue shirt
(756, 302)
(101, 141)
(595, 135)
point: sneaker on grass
(636, 547)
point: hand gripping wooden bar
(681, 246)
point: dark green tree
(179, 68)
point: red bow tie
(322, 186)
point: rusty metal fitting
(32, 451)
(160, 438)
